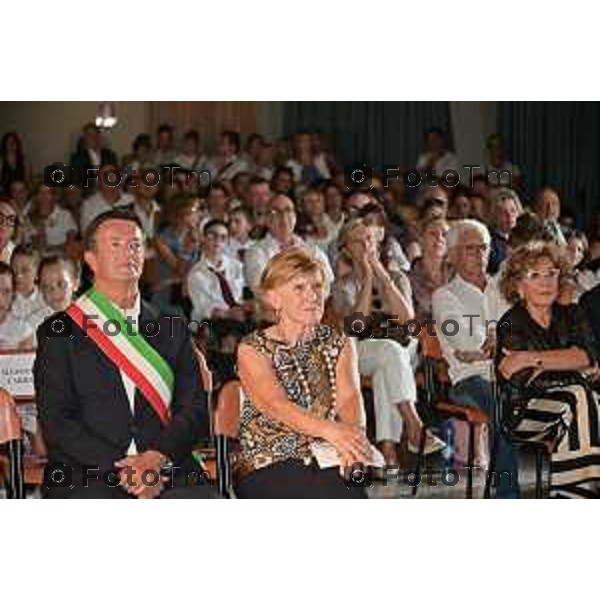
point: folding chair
(541, 449)
(438, 407)
(11, 435)
(227, 417)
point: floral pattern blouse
(306, 370)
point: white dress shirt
(235, 165)
(445, 162)
(233, 246)
(257, 257)
(204, 289)
(455, 301)
(96, 205)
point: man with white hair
(466, 311)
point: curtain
(377, 133)
(556, 143)
(209, 118)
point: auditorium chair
(11, 435)
(434, 384)
(226, 429)
(205, 452)
(541, 449)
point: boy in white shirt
(27, 298)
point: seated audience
(259, 199)
(165, 153)
(191, 158)
(430, 270)
(142, 156)
(9, 228)
(282, 222)
(58, 279)
(543, 347)
(178, 248)
(19, 192)
(302, 403)
(27, 298)
(216, 282)
(240, 225)
(304, 164)
(548, 209)
(91, 154)
(282, 181)
(505, 209)
(472, 300)
(314, 225)
(109, 195)
(15, 333)
(227, 162)
(497, 161)
(48, 226)
(334, 206)
(368, 286)
(436, 155)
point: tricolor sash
(132, 354)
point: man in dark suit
(90, 154)
(117, 384)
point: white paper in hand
(326, 456)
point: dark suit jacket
(81, 162)
(84, 411)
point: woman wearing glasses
(543, 347)
(8, 226)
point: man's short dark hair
(116, 214)
(282, 169)
(233, 137)
(213, 223)
(57, 260)
(164, 128)
(256, 180)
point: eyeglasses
(279, 212)
(537, 276)
(7, 220)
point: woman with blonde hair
(543, 346)
(302, 420)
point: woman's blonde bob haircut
(282, 268)
(525, 258)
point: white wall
(50, 129)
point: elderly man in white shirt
(281, 223)
(109, 195)
(466, 312)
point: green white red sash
(132, 354)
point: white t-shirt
(96, 205)
(57, 225)
(444, 163)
